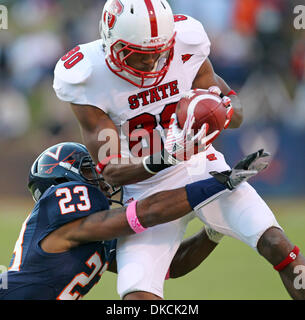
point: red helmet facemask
(120, 52)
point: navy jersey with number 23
(36, 274)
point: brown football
(208, 108)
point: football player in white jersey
(123, 89)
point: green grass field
(232, 272)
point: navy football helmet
(64, 162)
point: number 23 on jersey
(65, 204)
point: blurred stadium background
(255, 48)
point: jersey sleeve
(191, 33)
(77, 76)
(70, 79)
(71, 201)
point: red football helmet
(145, 27)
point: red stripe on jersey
(152, 17)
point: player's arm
(206, 77)
(100, 136)
(113, 223)
(156, 209)
(159, 208)
(166, 206)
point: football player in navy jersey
(68, 240)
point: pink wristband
(131, 215)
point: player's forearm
(127, 171)
(92, 144)
(120, 173)
(98, 132)
(170, 205)
(191, 253)
(110, 224)
(162, 207)
(237, 117)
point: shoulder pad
(80, 71)
(189, 30)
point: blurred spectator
(31, 56)
(215, 15)
(14, 114)
(271, 34)
(31, 13)
(244, 16)
(233, 57)
(298, 69)
(265, 94)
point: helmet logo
(154, 41)
(56, 154)
(54, 165)
(115, 10)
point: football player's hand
(248, 167)
(226, 101)
(181, 144)
(255, 161)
